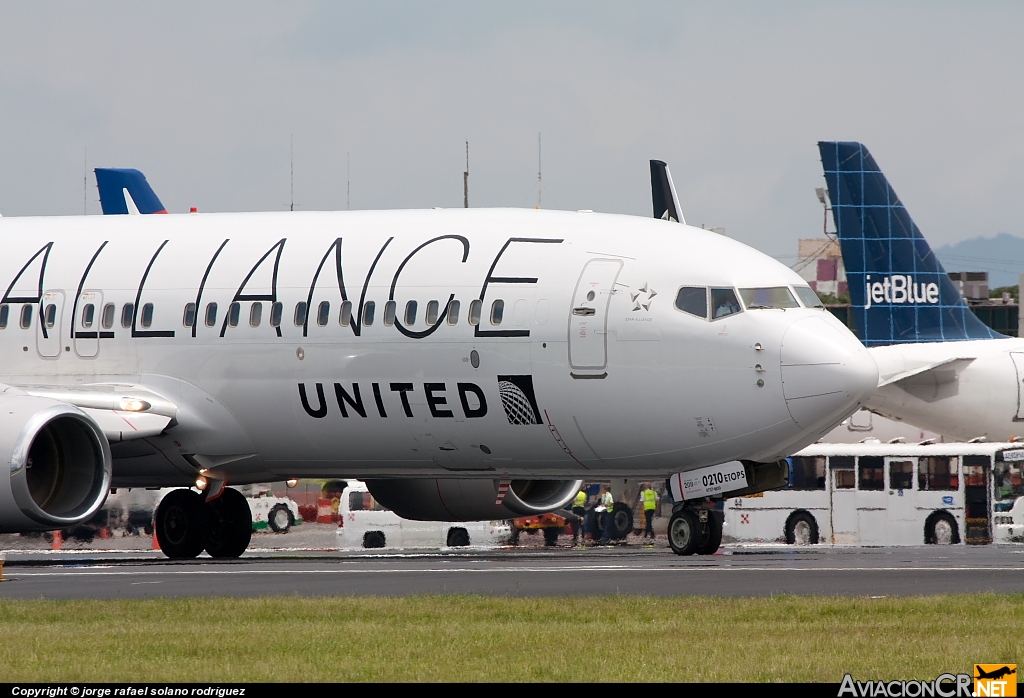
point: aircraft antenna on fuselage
(291, 175)
(465, 180)
(538, 170)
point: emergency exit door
(588, 318)
(86, 323)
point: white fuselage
(977, 395)
(623, 382)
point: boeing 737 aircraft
(940, 368)
(468, 364)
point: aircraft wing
(945, 371)
(123, 412)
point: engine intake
(60, 465)
(432, 499)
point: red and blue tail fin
(899, 291)
(121, 189)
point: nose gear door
(588, 318)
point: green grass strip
(475, 638)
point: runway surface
(738, 571)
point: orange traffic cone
(57, 540)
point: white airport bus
(889, 494)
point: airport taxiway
(735, 571)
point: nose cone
(826, 373)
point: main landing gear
(186, 524)
(693, 531)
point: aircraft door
(977, 519)
(872, 507)
(49, 337)
(1018, 364)
(588, 318)
(86, 324)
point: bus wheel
(940, 529)
(279, 518)
(711, 534)
(684, 532)
(801, 529)
(374, 539)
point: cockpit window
(693, 300)
(771, 297)
(808, 297)
(723, 302)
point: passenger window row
(322, 316)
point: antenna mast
(291, 158)
(538, 171)
(348, 181)
(85, 180)
(465, 180)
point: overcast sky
(204, 96)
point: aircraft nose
(826, 373)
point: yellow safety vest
(650, 498)
(608, 501)
(581, 500)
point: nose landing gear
(186, 524)
(693, 531)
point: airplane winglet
(124, 191)
(663, 193)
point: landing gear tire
(941, 529)
(622, 521)
(551, 536)
(684, 532)
(181, 525)
(229, 525)
(801, 529)
(710, 534)
(458, 537)
(279, 519)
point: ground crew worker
(650, 500)
(579, 507)
(608, 502)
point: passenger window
(453, 313)
(723, 302)
(474, 312)
(497, 311)
(410, 313)
(807, 473)
(346, 314)
(5, 311)
(901, 475)
(871, 473)
(808, 297)
(938, 473)
(147, 315)
(88, 315)
(108, 316)
(127, 314)
(300, 314)
(693, 300)
(389, 313)
(432, 312)
(211, 314)
(368, 311)
(26, 316)
(276, 311)
(234, 311)
(323, 313)
(50, 315)
(769, 297)
(190, 315)
(255, 314)
(843, 477)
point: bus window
(842, 472)
(1008, 483)
(901, 475)
(807, 473)
(871, 473)
(938, 473)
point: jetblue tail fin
(899, 290)
(122, 190)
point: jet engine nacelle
(55, 464)
(471, 500)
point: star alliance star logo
(642, 297)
